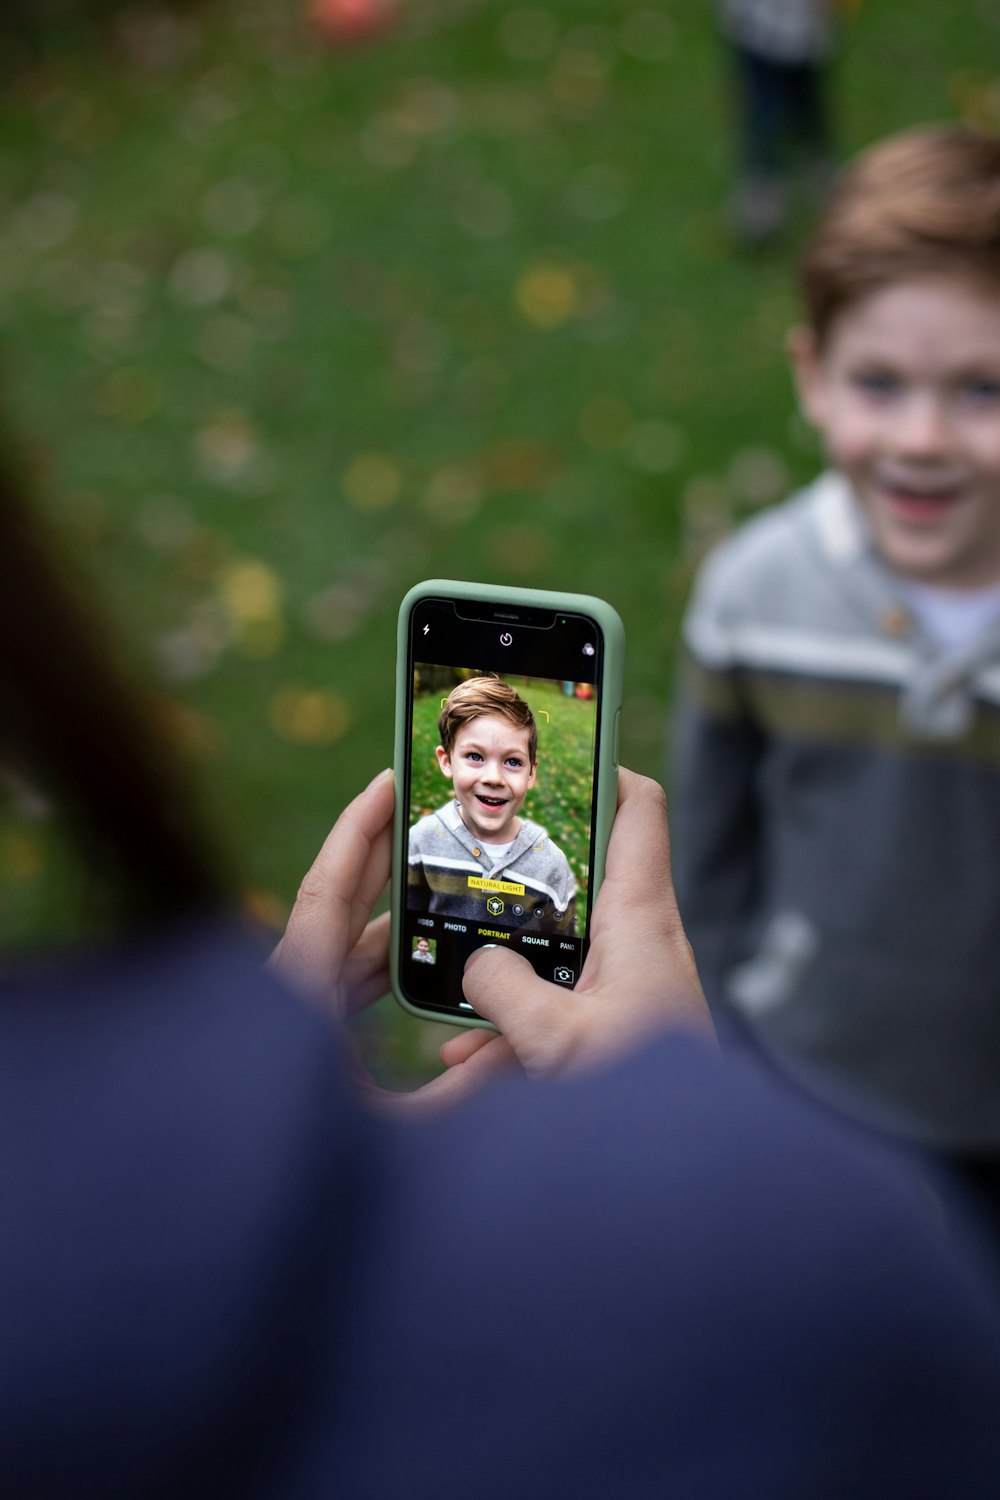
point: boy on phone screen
(839, 764)
(476, 857)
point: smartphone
(508, 717)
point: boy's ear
(807, 369)
(444, 761)
(531, 774)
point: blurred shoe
(757, 211)
(819, 173)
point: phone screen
(504, 717)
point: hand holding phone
(508, 713)
(332, 952)
(639, 976)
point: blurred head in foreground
(74, 727)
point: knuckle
(310, 891)
(654, 793)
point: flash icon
(426, 629)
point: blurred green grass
(285, 330)
(560, 800)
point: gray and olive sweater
(450, 873)
(837, 822)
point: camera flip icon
(563, 975)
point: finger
(336, 896)
(373, 881)
(368, 992)
(366, 969)
(533, 1015)
(637, 878)
(489, 1061)
(362, 885)
(640, 832)
(655, 968)
(458, 1049)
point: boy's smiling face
(492, 775)
(906, 393)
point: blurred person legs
(780, 51)
(780, 106)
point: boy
(423, 953)
(477, 849)
(839, 762)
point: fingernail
(380, 777)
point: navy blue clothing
(222, 1276)
(781, 105)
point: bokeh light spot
(655, 446)
(46, 221)
(647, 34)
(577, 82)
(250, 592)
(707, 516)
(231, 207)
(372, 482)
(454, 494)
(225, 342)
(127, 395)
(518, 464)
(523, 549)
(547, 294)
(200, 277)
(758, 476)
(227, 445)
(309, 716)
(528, 34)
(605, 422)
(596, 192)
(20, 855)
(265, 908)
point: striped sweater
(837, 822)
(531, 887)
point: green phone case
(606, 784)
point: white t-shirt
(497, 851)
(954, 617)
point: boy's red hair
(925, 202)
(485, 695)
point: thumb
(533, 1015)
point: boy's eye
(982, 389)
(875, 382)
(513, 761)
(473, 755)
